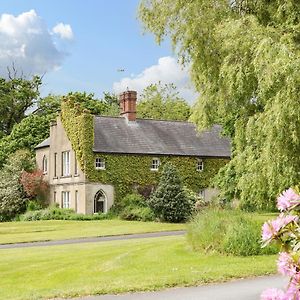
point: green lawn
(15, 232)
(117, 266)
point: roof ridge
(146, 119)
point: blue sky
(95, 38)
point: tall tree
(12, 196)
(244, 58)
(16, 96)
(163, 102)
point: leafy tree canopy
(162, 102)
(16, 96)
(12, 196)
(244, 58)
(34, 128)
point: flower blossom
(271, 229)
(287, 199)
(293, 291)
(272, 294)
(286, 264)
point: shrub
(169, 201)
(55, 213)
(32, 205)
(198, 201)
(134, 208)
(226, 232)
(133, 200)
(284, 231)
(34, 185)
(137, 214)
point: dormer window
(200, 165)
(99, 163)
(155, 164)
(45, 164)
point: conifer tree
(169, 201)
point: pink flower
(286, 265)
(293, 292)
(272, 294)
(287, 199)
(271, 229)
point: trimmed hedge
(55, 213)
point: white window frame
(76, 200)
(65, 196)
(200, 165)
(45, 164)
(66, 163)
(75, 166)
(155, 164)
(55, 165)
(99, 163)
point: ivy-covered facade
(92, 149)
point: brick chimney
(128, 105)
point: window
(155, 164)
(100, 164)
(65, 199)
(200, 165)
(54, 197)
(55, 163)
(76, 201)
(65, 163)
(75, 165)
(45, 165)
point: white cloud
(26, 42)
(64, 31)
(167, 70)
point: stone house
(92, 161)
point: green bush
(134, 208)
(137, 214)
(32, 205)
(227, 232)
(133, 200)
(170, 201)
(55, 213)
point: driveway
(94, 239)
(242, 289)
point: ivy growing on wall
(127, 172)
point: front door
(99, 202)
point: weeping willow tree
(244, 61)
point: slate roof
(43, 144)
(157, 137)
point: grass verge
(118, 266)
(17, 232)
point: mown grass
(16, 232)
(118, 266)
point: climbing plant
(125, 171)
